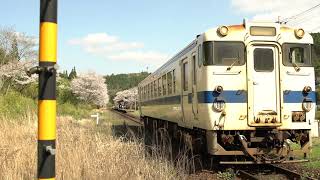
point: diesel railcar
(240, 94)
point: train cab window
(169, 82)
(296, 54)
(174, 80)
(164, 84)
(159, 87)
(185, 76)
(224, 53)
(263, 60)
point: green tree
(64, 74)
(4, 59)
(73, 73)
(121, 82)
(14, 51)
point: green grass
(78, 112)
(315, 154)
(134, 113)
(13, 105)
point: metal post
(97, 118)
(47, 89)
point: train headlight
(307, 89)
(219, 105)
(299, 33)
(223, 30)
(218, 89)
(307, 105)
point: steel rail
(289, 173)
(132, 118)
(246, 175)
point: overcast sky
(121, 36)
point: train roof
(239, 32)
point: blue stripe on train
(298, 96)
(241, 96)
(229, 96)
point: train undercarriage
(262, 146)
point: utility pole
(47, 89)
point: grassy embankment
(84, 150)
(315, 155)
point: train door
(263, 96)
(194, 91)
(185, 89)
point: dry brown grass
(83, 152)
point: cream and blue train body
(245, 87)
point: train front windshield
(296, 54)
(223, 53)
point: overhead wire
(286, 20)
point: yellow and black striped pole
(47, 89)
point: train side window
(146, 94)
(159, 87)
(143, 93)
(185, 76)
(155, 88)
(174, 80)
(147, 91)
(164, 84)
(194, 72)
(151, 90)
(169, 80)
(200, 51)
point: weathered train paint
(256, 98)
(47, 89)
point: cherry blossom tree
(16, 46)
(128, 98)
(91, 87)
(13, 74)
(17, 54)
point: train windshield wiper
(234, 62)
(296, 67)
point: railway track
(266, 171)
(269, 172)
(128, 116)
